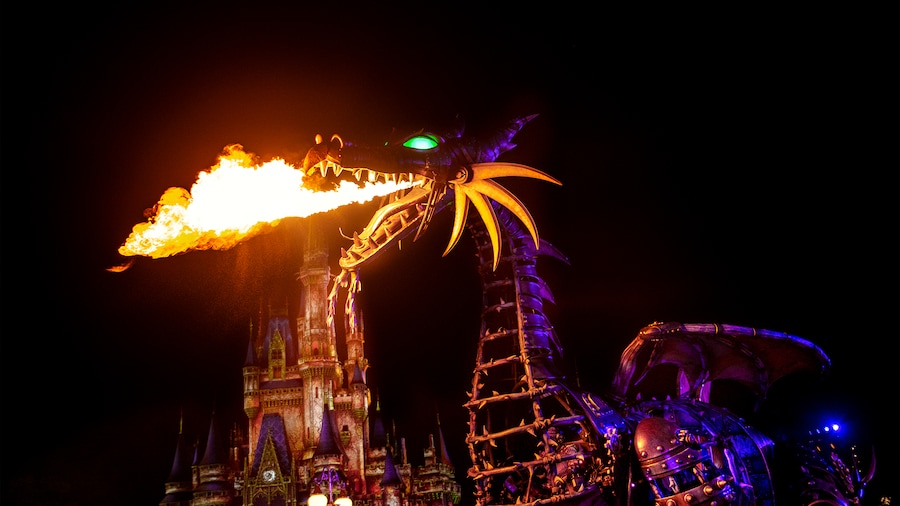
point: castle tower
(294, 386)
(351, 415)
(273, 403)
(319, 367)
(355, 342)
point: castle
(311, 424)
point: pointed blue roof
(181, 464)
(379, 434)
(444, 458)
(250, 359)
(357, 375)
(391, 476)
(282, 325)
(329, 442)
(216, 451)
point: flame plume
(235, 200)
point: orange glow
(235, 200)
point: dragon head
(439, 169)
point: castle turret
(354, 331)
(329, 452)
(329, 463)
(351, 413)
(391, 484)
(179, 484)
(376, 451)
(215, 486)
(251, 380)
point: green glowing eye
(421, 142)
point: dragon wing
(705, 353)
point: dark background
(720, 164)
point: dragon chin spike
(430, 205)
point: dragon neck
(521, 408)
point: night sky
(720, 164)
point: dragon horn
(492, 170)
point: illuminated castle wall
(308, 408)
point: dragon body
(534, 436)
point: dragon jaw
(413, 210)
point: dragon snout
(362, 163)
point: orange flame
(235, 200)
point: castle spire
(215, 452)
(391, 483)
(250, 359)
(444, 458)
(215, 486)
(179, 484)
(379, 435)
(391, 476)
(329, 442)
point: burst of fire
(235, 200)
